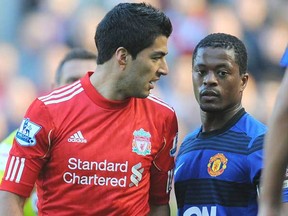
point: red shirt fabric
(93, 156)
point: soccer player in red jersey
(80, 61)
(102, 145)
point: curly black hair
(225, 41)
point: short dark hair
(225, 41)
(133, 26)
(75, 53)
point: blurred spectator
(222, 19)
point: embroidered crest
(141, 143)
(217, 164)
(25, 136)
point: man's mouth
(209, 94)
(152, 83)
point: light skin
(118, 79)
(72, 70)
(123, 77)
(276, 156)
(218, 86)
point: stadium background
(36, 34)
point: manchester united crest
(141, 142)
(217, 164)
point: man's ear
(122, 56)
(244, 81)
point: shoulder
(158, 103)
(254, 130)
(62, 94)
(251, 126)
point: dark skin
(218, 86)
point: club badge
(217, 164)
(141, 143)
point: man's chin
(210, 109)
(143, 95)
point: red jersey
(93, 156)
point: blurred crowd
(36, 34)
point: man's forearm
(11, 204)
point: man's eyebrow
(217, 66)
(160, 53)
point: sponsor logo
(217, 164)
(25, 136)
(136, 176)
(196, 211)
(100, 173)
(141, 143)
(103, 173)
(77, 138)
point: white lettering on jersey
(73, 178)
(78, 164)
(15, 169)
(195, 211)
(103, 168)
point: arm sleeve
(162, 168)
(256, 164)
(29, 152)
(255, 159)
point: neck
(216, 120)
(104, 81)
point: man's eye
(222, 73)
(201, 72)
(156, 58)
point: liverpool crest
(141, 142)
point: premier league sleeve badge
(25, 135)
